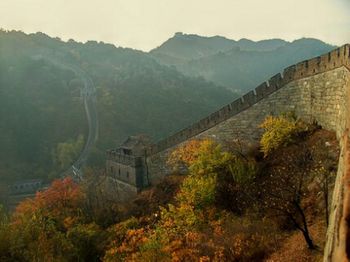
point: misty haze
(180, 131)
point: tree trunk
(308, 240)
(304, 228)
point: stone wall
(316, 90)
(316, 98)
(338, 234)
(127, 169)
(332, 60)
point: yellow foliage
(189, 229)
(278, 131)
(191, 152)
(198, 192)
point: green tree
(67, 152)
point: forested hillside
(239, 65)
(229, 206)
(43, 124)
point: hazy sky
(145, 24)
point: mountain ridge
(237, 65)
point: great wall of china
(317, 90)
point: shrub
(198, 192)
(235, 187)
(198, 157)
(278, 131)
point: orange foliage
(189, 152)
(62, 199)
(128, 249)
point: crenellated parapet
(128, 160)
(335, 59)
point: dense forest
(268, 204)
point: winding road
(87, 92)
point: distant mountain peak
(192, 46)
(186, 47)
(239, 65)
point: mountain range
(238, 65)
(156, 93)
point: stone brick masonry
(316, 90)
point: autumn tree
(324, 173)
(63, 198)
(278, 131)
(284, 190)
(53, 226)
(184, 156)
(101, 203)
(236, 184)
(177, 232)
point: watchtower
(127, 163)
